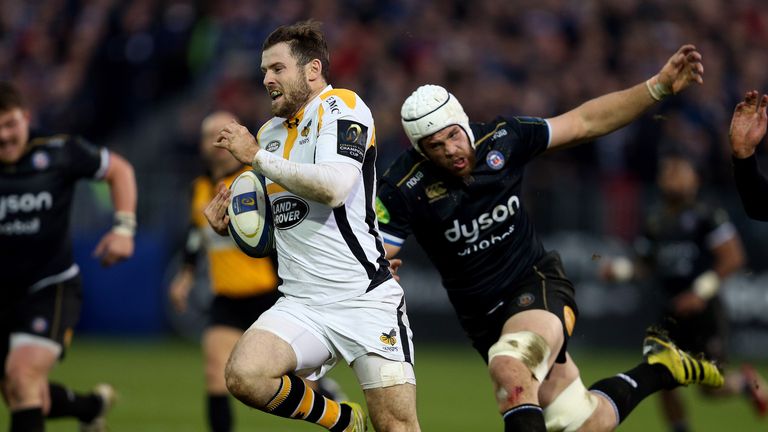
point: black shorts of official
(705, 332)
(51, 313)
(544, 287)
(240, 312)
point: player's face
(285, 80)
(14, 133)
(449, 148)
(678, 180)
(215, 156)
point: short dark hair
(306, 41)
(10, 97)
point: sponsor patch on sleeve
(351, 139)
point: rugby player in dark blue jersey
(689, 246)
(40, 294)
(748, 127)
(458, 191)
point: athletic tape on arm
(329, 183)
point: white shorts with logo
(373, 323)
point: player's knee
(524, 347)
(22, 380)
(518, 363)
(238, 378)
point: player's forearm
(329, 183)
(752, 186)
(612, 111)
(122, 184)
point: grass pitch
(161, 390)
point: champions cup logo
(389, 338)
(354, 131)
(244, 203)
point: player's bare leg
(518, 364)
(260, 374)
(567, 402)
(26, 384)
(393, 409)
(218, 343)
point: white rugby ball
(250, 215)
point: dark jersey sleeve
(85, 159)
(193, 246)
(392, 214)
(753, 187)
(717, 228)
(533, 137)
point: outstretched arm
(748, 128)
(612, 111)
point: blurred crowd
(100, 66)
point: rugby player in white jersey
(340, 300)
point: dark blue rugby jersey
(35, 200)
(678, 246)
(476, 231)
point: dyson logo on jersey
(471, 231)
(25, 203)
(289, 211)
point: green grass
(161, 388)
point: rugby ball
(250, 215)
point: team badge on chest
(495, 160)
(41, 160)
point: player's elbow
(120, 170)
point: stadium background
(138, 76)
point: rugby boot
(359, 421)
(108, 397)
(686, 369)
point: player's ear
(314, 70)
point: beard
(295, 95)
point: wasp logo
(389, 338)
(247, 201)
(305, 131)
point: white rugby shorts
(373, 323)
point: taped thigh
(374, 371)
(526, 346)
(571, 408)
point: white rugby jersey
(327, 254)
